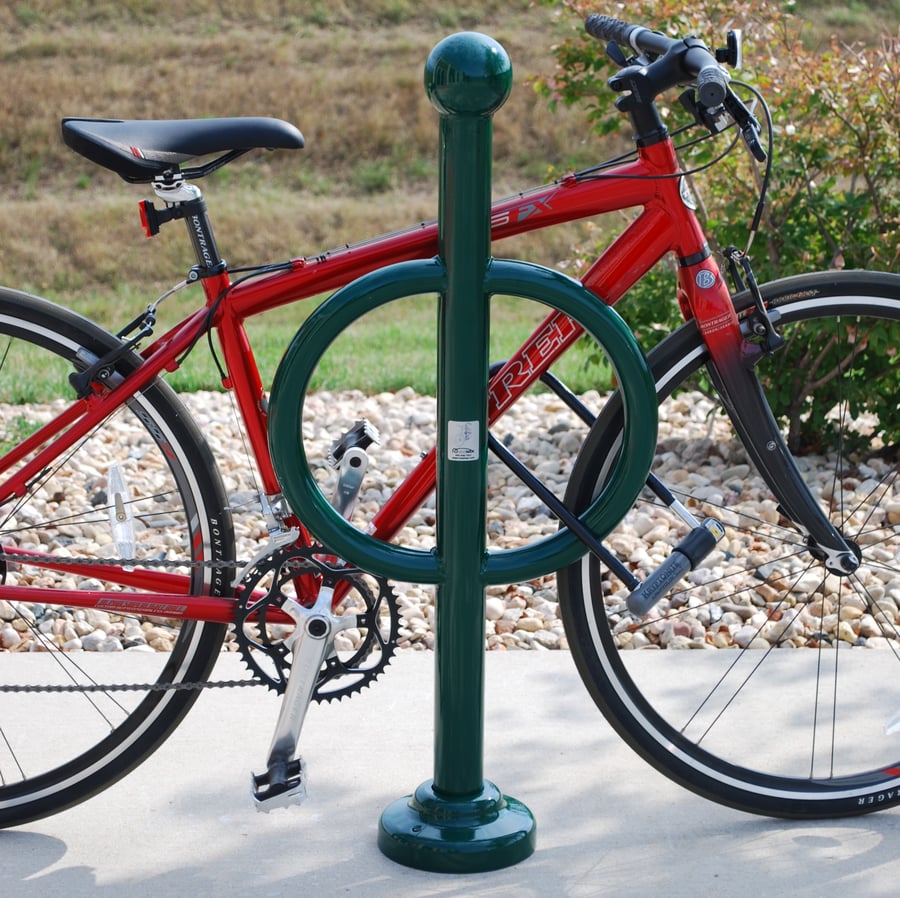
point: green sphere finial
(468, 74)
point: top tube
(575, 196)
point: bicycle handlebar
(680, 60)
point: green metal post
(463, 326)
(458, 822)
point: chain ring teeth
(284, 564)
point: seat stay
(140, 150)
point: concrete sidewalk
(183, 824)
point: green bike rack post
(458, 821)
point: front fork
(742, 395)
(746, 404)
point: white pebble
(9, 638)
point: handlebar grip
(606, 28)
(693, 61)
(636, 36)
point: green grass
(854, 20)
(15, 430)
(388, 349)
(395, 347)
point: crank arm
(284, 781)
(352, 469)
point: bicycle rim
(789, 706)
(141, 485)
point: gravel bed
(698, 456)
(695, 453)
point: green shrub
(834, 198)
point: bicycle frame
(665, 223)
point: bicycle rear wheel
(793, 707)
(146, 469)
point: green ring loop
(512, 278)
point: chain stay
(124, 687)
(161, 563)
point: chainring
(357, 657)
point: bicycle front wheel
(143, 487)
(791, 705)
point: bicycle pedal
(362, 435)
(280, 787)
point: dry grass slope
(348, 73)
(352, 81)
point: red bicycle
(112, 501)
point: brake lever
(615, 53)
(748, 123)
(717, 120)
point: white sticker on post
(462, 441)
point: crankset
(365, 620)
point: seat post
(185, 200)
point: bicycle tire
(808, 732)
(58, 749)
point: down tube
(556, 333)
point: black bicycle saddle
(141, 150)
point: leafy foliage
(834, 199)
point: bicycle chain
(135, 687)
(125, 687)
(258, 680)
